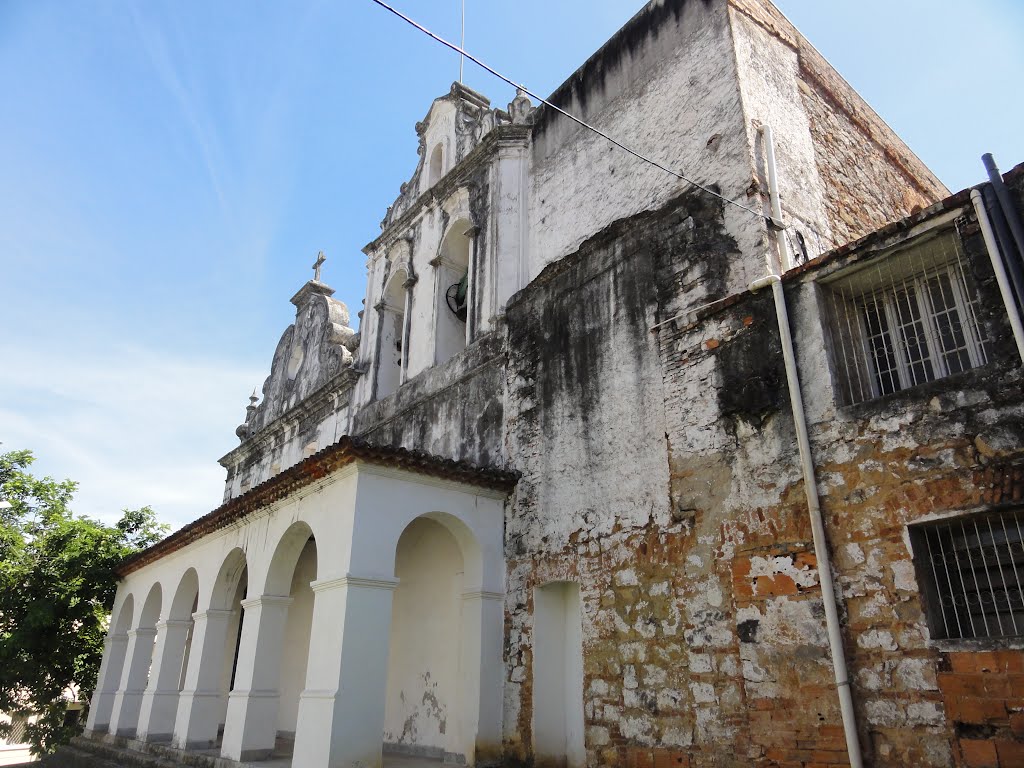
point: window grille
(971, 570)
(19, 730)
(906, 318)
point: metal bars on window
(972, 573)
(906, 318)
(19, 730)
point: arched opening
(184, 604)
(436, 165)
(424, 705)
(292, 571)
(139, 660)
(211, 657)
(160, 701)
(296, 640)
(121, 625)
(231, 637)
(112, 668)
(146, 641)
(393, 355)
(453, 292)
(558, 675)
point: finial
(320, 259)
(244, 430)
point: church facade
(618, 470)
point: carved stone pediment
(311, 352)
(457, 122)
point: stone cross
(320, 259)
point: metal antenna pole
(462, 56)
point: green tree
(57, 585)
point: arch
(229, 590)
(394, 336)
(297, 635)
(436, 166)
(183, 604)
(124, 613)
(233, 572)
(274, 651)
(454, 294)
(212, 657)
(286, 555)
(150, 614)
(469, 547)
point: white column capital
(142, 632)
(266, 601)
(212, 614)
(350, 580)
(173, 624)
(110, 640)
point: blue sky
(170, 170)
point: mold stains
(751, 376)
(747, 630)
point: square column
(108, 680)
(128, 700)
(341, 711)
(251, 727)
(160, 701)
(201, 703)
(483, 668)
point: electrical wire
(559, 110)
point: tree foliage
(57, 585)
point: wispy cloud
(155, 44)
(131, 426)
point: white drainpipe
(828, 592)
(997, 266)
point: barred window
(906, 318)
(19, 731)
(971, 572)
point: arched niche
(435, 169)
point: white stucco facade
(300, 575)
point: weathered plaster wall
(666, 84)
(867, 176)
(769, 80)
(587, 429)
(455, 410)
(704, 637)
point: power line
(559, 110)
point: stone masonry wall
(684, 519)
(586, 427)
(953, 445)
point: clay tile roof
(317, 466)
